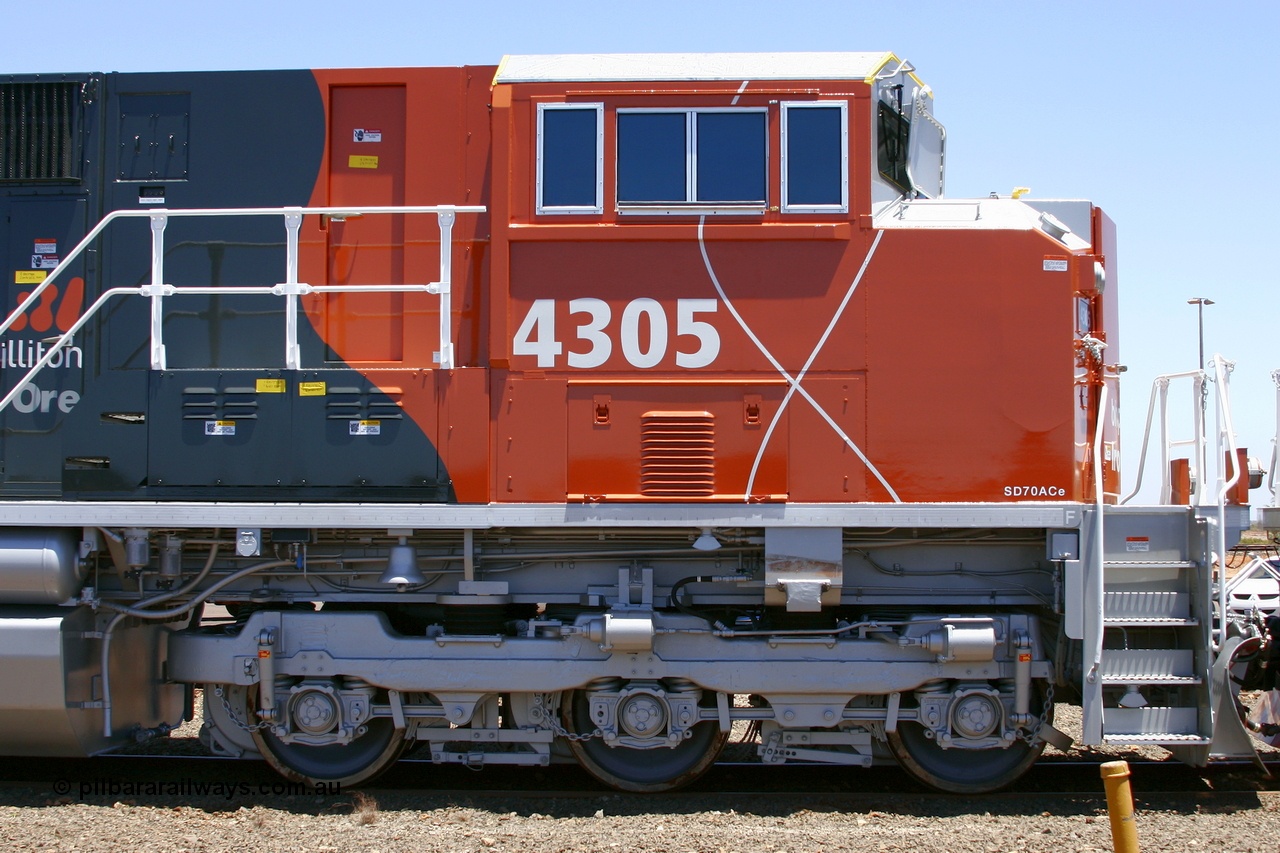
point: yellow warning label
(270, 386)
(29, 276)
(311, 389)
(362, 161)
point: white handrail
(1160, 388)
(1275, 445)
(1095, 593)
(1226, 440)
(291, 288)
(64, 339)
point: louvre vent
(379, 404)
(677, 454)
(38, 131)
(232, 404)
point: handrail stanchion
(159, 219)
(1166, 482)
(1200, 395)
(292, 352)
(445, 220)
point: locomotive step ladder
(1156, 618)
(1156, 653)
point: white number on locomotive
(537, 333)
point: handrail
(62, 341)
(1160, 387)
(291, 288)
(1226, 435)
(1095, 592)
(1275, 445)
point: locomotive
(574, 409)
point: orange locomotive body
(718, 349)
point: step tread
(1139, 621)
(1150, 679)
(1157, 738)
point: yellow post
(1124, 823)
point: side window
(653, 160)
(570, 158)
(677, 157)
(815, 157)
(891, 147)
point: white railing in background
(1275, 446)
(290, 288)
(1224, 444)
(1160, 391)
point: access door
(367, 163)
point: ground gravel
(397, 821)
(37, 818)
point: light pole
(1200, 302)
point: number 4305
(537, 333)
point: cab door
(367, 168)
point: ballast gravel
(774, 824)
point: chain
(560, 730)
(1034, 737)
(226, 706)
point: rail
(1199, 441)
(1275, 446)
(1226, 442)
(1094, 593)
(1160, 390)
(157, 290)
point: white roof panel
(650, 67)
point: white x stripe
(794, 382)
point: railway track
(191, 774)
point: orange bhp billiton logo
(264, 653)
(43, 317)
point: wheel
(957, 770)
(373, 751)
(644, 771)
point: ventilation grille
(677, 454)
(38, 131)
(345, 404)
(231, 404)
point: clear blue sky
(1161, 112)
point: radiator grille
(38, 131)
(677, 454)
